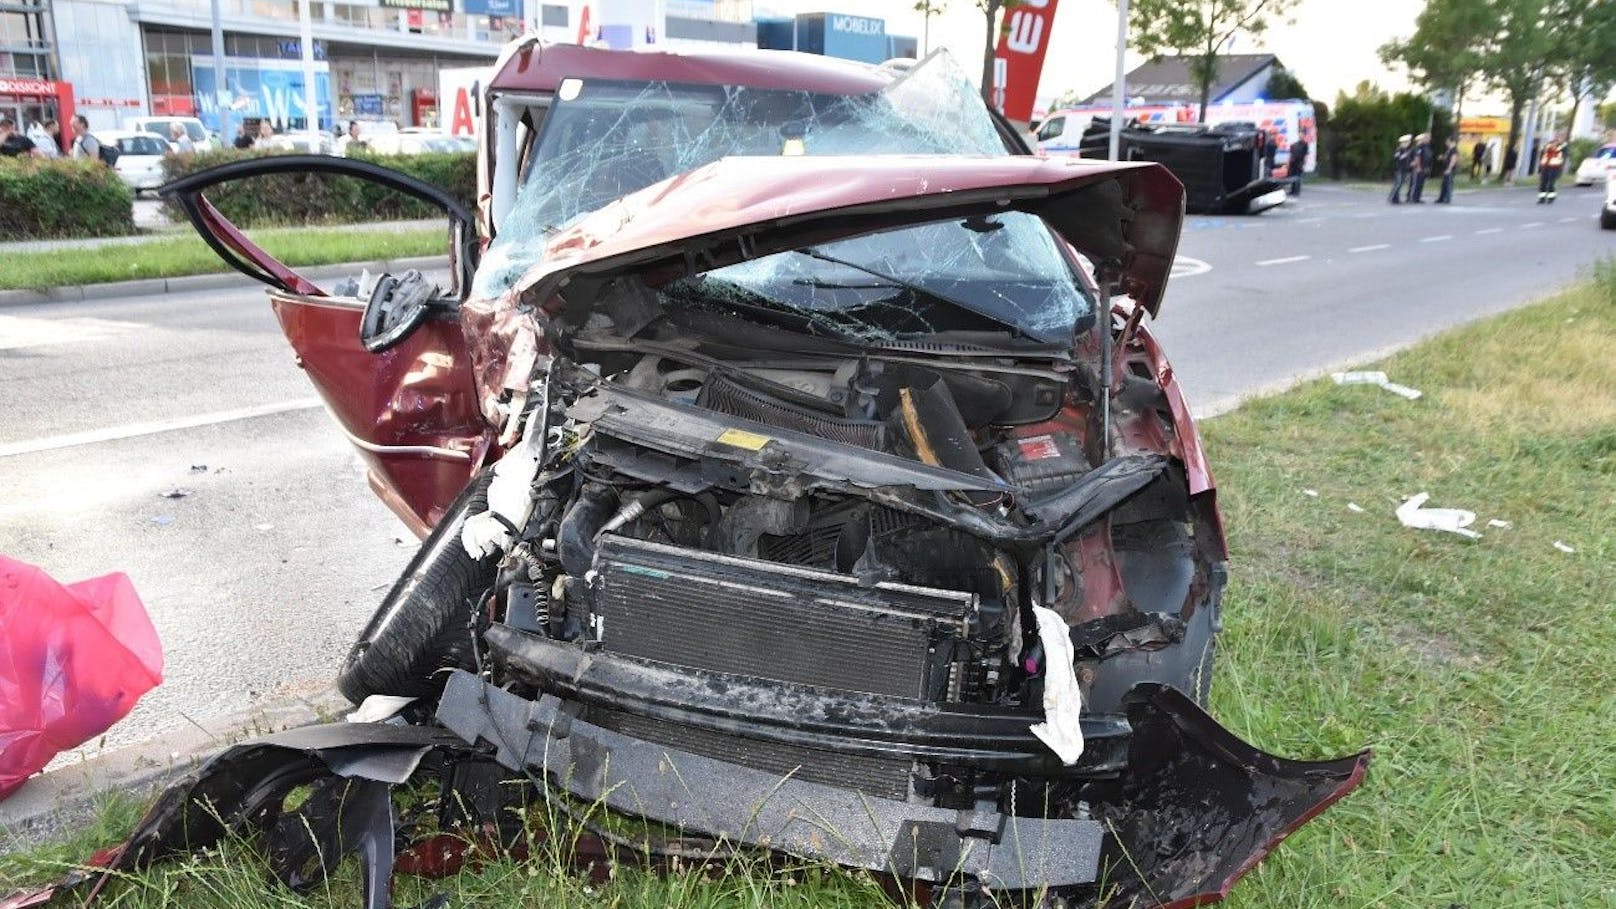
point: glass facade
(25, 40)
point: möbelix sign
(1020, 57)
(460, 110)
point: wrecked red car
(796, 469)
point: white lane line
(1370, 248)
(153, 427)
(1285, 261)
(1491, 230)
(1436, 239)
(17, 332)
(1531, 224)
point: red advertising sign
(1020, 58)
(27, 87)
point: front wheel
(427, 621)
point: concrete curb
(57, 799)
(76, 293)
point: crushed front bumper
(1178, 808)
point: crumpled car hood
(1123, 217)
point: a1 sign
(1021, 51)
(460, 110)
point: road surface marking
(1531, 224)
(1436, 239)
(1186, 267)
(1285, 261)
(1491, 230)
(153, 427)
(18, 332)
(1568, 220)
(1359, 249)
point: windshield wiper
(897, 283)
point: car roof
(531, 66)
(126, 134)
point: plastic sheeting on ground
(73, 660)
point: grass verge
(1481, 671)
(171, 257)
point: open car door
(387, 355)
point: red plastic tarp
(73, 660)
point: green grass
(170, 257)
(1483, 673)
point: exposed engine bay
(719, 497)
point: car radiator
(748, 617)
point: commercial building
(373, 59)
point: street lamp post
(221, 89)
(305, 26)
(1117, 87)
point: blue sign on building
(271, 89)
(833, 34)
(506, 8)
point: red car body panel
(410, 410)
(533, 67)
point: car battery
(1040, 463)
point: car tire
(425, 623)
(1607, 219)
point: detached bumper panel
(760, 808)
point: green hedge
(46, 198)
(1363, 131)
(296, 198)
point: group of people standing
(14, 144)
(1413, 162)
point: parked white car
(414, 142)
(1597, 167)
(1607, 217)
(201, 139)
(140, 157)
(303, 143)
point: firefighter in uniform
(1549, 165)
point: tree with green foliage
(1282, 84)
(1584, 57)
(1364, 126)
(1199, 30)
(1445, 52)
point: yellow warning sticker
(740, 438)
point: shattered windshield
(1002, 273)
(603, 139)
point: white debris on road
(1452, 520)
(1376, 378)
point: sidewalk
(61, 796)
(165, 230)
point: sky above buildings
(1330, 44)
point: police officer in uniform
(1401, 160)
(1421, 166)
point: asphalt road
(272, 554)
